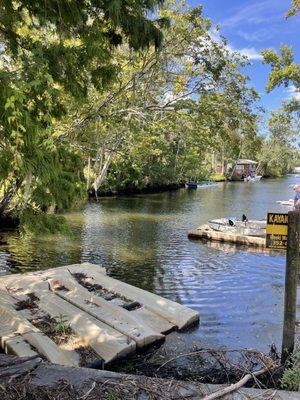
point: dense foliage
(108, 95)
(280, 153)
(170, 111)
(52, 53)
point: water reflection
(143, 241)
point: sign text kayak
(277, 230)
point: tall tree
(52, 52)
(168, 108)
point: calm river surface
(143, 240)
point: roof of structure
(243, 161)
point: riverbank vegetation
(103, 99)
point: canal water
(142, 240)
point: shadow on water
(143, 240)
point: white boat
(254, 178)
(232, 225)
(201, 184)
(289, 202)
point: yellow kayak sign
(277, 230)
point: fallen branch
(13, 367)
(234, 386)
(85, 396)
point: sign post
(291, 277)
(283, 232)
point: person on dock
(297, 198)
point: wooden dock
(109, 316)
(205, 232)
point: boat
(200, 184)
(240, 227)
(254, 178)
(289, 202)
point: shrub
(291, 376)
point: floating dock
(205, 232)
(110, 317)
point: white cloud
(259, 35)
(293, 92)
(257, 13)
(250, 52)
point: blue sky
(254, 25)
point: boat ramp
(95, 311)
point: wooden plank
(210, 234)
(12, 343)
(112, 315)
(16, 345)
(156, 322)
(43, 275)
(22, 285)
(177, 314)
(106, 341)
(13, 321)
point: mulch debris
(84, 281)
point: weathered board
(178, 314)
(104, 324)
(106, 341)
(277, 231)
(14, 322)
(13, 343)
(116, 317)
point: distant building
(243, 168)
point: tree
(279, 153)
(105, 93)
(53, 52)
(168, 108)
(284, 69)
(294, 10)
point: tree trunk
(28, 181)
(8, 196)
(101, 177)
(88, 174)
(213, 162)
(222, 161)
(103, 173)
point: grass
(218, 178)
(291, 375)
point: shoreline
(37, 379)
(133, 191)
